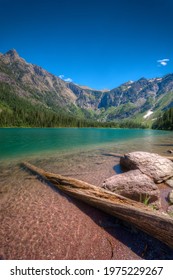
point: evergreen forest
(16, 111)
(165, 121)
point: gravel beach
(39, 222)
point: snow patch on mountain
(148, 114)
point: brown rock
(170, 197)
(155, 166)
(170, 151)
(135, 185)
(170, 182)
(170, 210)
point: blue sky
(96, 43)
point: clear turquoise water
(23, 142)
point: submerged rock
(134, 185)
(170, 151)
(155, 166)
(170, 210)
(170, 197)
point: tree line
(18, 112)
(165, 121)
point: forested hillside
(31, 96)
(165, 121)
(16, 111)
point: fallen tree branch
(143, 217)
(170, 158)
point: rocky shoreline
(38, 222)
(145, 177)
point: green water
(24, 142)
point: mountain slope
(134, 98)
(142, 100)
(33, 82)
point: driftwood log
(170, 158)
(154, 223)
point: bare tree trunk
(170, 158)
(143, 217)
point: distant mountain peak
(13, 56)
(143, 79)
(131, 99)
(89, 88)
(12, 53)
(127, 83)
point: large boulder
(155, 166)
(135, 185)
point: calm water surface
(30, 208)
(17, 143)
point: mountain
(139, 100)
(33, 82)
(142, 99)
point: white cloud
(68, 80)
(65, 79)
(163, 62)
(61, 77)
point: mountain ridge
(133, 99)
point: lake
(22, 143)
(85, 153)
(36, 219)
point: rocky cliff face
(33, 82)
(128, 100)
